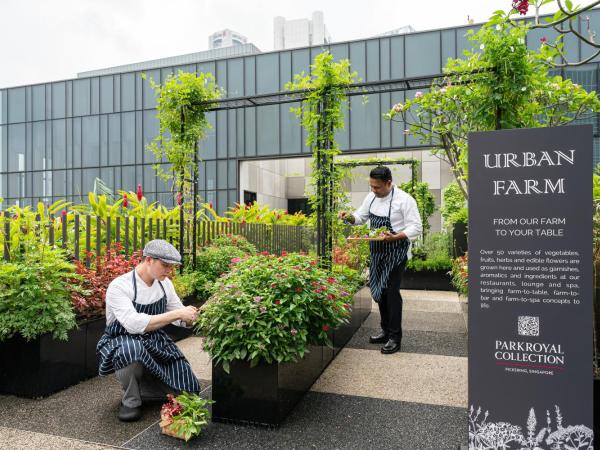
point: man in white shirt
(388, 206)
(144, 359)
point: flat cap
(161, 249)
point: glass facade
(57, 138)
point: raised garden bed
(432, 280)
(266, 394)
(44, 365)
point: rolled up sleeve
(412, 219)
(122, 306)
(361, 215)
(173, 301)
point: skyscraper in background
(300, 32)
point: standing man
(134, 346)
(388, 206)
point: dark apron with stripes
(385, 256)
(155, 350)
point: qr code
(529, 326)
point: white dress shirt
(404, 215)
(119, 301)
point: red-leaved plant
(110, 264)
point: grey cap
(161, 249)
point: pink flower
(235, 260)
(543, 40)
(257, 299)
(139, 192)
(418, 94)
(398, 107)
(294, 332)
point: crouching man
(134, 346)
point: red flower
(346, 305)
(125, 201)
(298, 289)
(278, 302)
(273, 285)
(325, 327)
(139, 192)
(210, 205)
(179, 198)
(331, 280)
(284, 253)
(331, 297)
(264, 253)
(544, 39)
(521, 6)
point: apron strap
(134, 286)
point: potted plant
(184, 416)
(269, 327)
(430, 264)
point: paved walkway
(412, 400)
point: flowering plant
(460, 274)
(271, 308)
(106, 267)
(184, 416)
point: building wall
(56, 138)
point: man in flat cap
(134, 346)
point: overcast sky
(46, 40)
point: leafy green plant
(256, 213)
(35, 295)
(271, 308)
(425, 201)
(231, 240)
(185, 284)
(184, 416)
(211, 263)
(433, 253)
(453, 209)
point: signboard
(530, 289)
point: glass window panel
(222, 174)
(267, 139)
(232, 198)
(364, 122)
(594, 25)
(221, 134)
(211, 174)
(59, 103)
(59, 183)
(397, 57)
(95, 101)
(114, 139)
(129, 180)
(384, 51)
(339, 51)
(38, 94)
(235, 77)
(373, 60)
(149, 183)
(448, 45)
(148, 92)
(88, 178)
(231, 133)
(285, 68)
(249, 76)
(16, 105)
(462, 40)
(165, 72)
(208, 146)
(267, 73)
(127, 92)
(77, 142)
(117, 92)
(300, 61)
(38, 184)
(385, 124)
(128, 136)
(3, 107)
(16, 185)
(291, 139)
(81, 97)
(201, 175)
(422, 54)
(59, 145)
(151, 130)
(107, 175)
(357, 59)
(240, 121)
(221, 202)
(207, 67)
(232, 173)
(211, 197)
(39, 145)
(103, 140)
(106, 94)
(397, 127)
(222, 74)
(250, 141)
(16, 147)
(91, 141)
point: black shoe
(379, 338)
(390, 346)
(127, 414)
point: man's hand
(345, 215)
(389, 237)
(188, 314)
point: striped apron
(154, 350)
(385, 256)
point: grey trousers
(138, 384)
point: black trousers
(390, 305)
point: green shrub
(432, 254)
(454, 208)
(433, 264)
(271, 309)
(234, 240)
(35, 295)
(185, 284)
(212, 262)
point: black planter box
(459, 239)
(432, 280)
(596, 407)
(44, 365)
(265, 394)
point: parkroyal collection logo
(530, 354)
